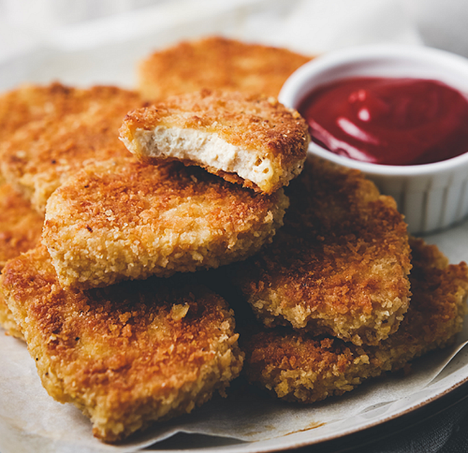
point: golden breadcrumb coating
(20, 225)
(125, 355)
(217, 63)
(299, 367)
(20, 230)
(29, 103)
(340, 263)
(7, 321)
(122, 219)
(249, 139)
(39, 156)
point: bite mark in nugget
(125, 355)
(82, 127)
(217, 63)
(122, 219)
(249, 139)
(299, 367)
(340, 263)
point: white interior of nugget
(206, 149)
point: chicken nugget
(40, 155)
(340, 263)
(217, 63)
(243, 138)
(20, 225)
(30, 103)
(125, 355)
(299, 367)
(122, 219)
(20, 230)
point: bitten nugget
(217, 63)
(122, 219)
(125, 355)
(298, 367)
(340, 263)
(20, 230)
(243, 138)
(41, 154)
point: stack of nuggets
(300, 367)
(20, 230)
(128, 353)
(332, 294)
(47, 133)
(55, 130)
(339, 265)
(111, 322)
(123, 219)
(337, 272)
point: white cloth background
(310, 26)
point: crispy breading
(217, 63)
(20, 230)
(299, 367)
(125, 355)
(122, 219)
(20, 225)
(29, 103)
(7, 321)
(39, 156)
(340, 263)
(243, 138)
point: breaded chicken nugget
(243, 138)
(124, 355)
(7, 321)
(122, 219)
(20, 230)
(40, 155)
(30, 103)
(20, 225)
(298, 367)
(217, 63)
(339, 265)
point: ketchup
(389, 121)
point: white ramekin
(431, 196)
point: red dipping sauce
(389, 121)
